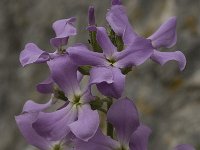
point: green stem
(109, 126)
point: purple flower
(130, 133)
(33, 54)
(106, 73)
(165, 36)
(25, 122)
(77, 116)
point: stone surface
(168, 100)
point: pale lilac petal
(98, 142)
(123, 116)
(79, 76)
(164, 57)
(64, 74)
(105, 42)
(24, 123)
(45, 86)
(91, 16)
(116, 2)
(64, 29)
(166, 35)
(184, 147)
(81, 55)
(87, 124)
(109, 80)
(32, 107)
(54, 125)
(140, 138)
(33, 54)
(135, 54)
(119, 22)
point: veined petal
(135, 54)
(164, 57)
(64, 74)
(33, 54)
(184, 147)
(45, 86)
(24, 123)
(54, 125)
(105, 42)
(81, 55)
(64, 29)
(87, 124)
(123, 116)
(139, 139)
(109, 80)
(166, 35)
(98, 142)
(119, 22)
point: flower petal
(24, 123)
(32, 107)
(119, 22)
(45, 86)
(166, 35)
(98, 142)
(64, 74)
(105, 42)
(54, 125)
(184, 147)
(109, 80)
(33, 54)
(139, 139)
(164, 57)
(135, 54)
(81, 55)
(87, 124)
(123, 116)
(64, 29)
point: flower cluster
(76, 124)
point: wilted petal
(140, 138)
(105, 42)
(45, 86)
(123, 116)
(54, 125)
(119, 22)
(164, 57)
(81, 55)
(87, 124)
(91, 16)
(166, 35)
(116, 2)
(98, 142)
(135, 54)
(64, 29)
(33, 54)
(64, 74)
(184, 147)
(109, 80)
(24, 123)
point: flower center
(76, 100)
(57, 147)
(111, 61)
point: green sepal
(85, 70)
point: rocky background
(168, 100)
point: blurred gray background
(168, 100)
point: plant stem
(109, 126)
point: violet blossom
(165, 36)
